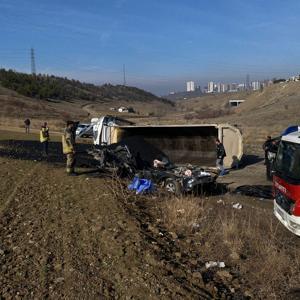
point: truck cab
(286, 180)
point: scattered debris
(259, 191)
(211, 264)
(196, 225)
(141, 185)
(135, 157)
(188, 173)
(237, 206)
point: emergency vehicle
(286, 180)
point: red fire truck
(286, 180)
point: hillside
(265, 112)
(53, 87)
(55, 99)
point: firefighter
(68, 143)
(45, 137)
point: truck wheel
(173, 186)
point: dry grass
(250, 241)
(182, 214)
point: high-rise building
(233, 87)
(190, 86)
(210, 87)
(255, 85)
(223, 87)
(241, 86)
(248, 82)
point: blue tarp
(141, 185)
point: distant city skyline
(163, 44)
(223, 87)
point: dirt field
(86, 237)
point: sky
(162, 43)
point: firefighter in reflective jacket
(68, 144)
(45, 137)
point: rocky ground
(86, 237)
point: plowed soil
(80, 238)
(69, 237)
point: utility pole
(33, 71)
(124, 75)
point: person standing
(266, 147)
(221, 153)
(45, 137)
(68, 144)
(271, 157)
(27, 125)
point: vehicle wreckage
(188, 143)
(125, 161)
(129, 149)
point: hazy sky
(163, 43)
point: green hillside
(58, 88)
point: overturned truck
(193, 143)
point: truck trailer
(191, 143)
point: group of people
(68, 143)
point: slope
(265, 112)
(53, 99)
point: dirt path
(87, 109)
